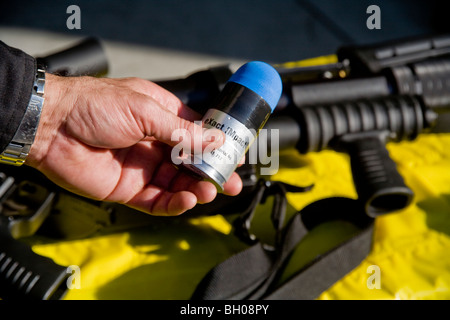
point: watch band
(17, 150)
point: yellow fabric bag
(410, 253)
(410, 247)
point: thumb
(173, 130)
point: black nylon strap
(236, 277)
(248, 274)
(326, 270)
(251, 273)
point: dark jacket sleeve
(17, 72)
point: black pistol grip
(378, 183)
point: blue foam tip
(261, 78)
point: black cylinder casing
(244, 105)
(403, 116)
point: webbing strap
(326, 270)
(251, 274)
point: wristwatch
(17, 150)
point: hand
(110, 140)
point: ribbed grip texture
(403, 116)
(377, 181)
(361, 129)
(429, 79)
(27, 275)
(16, 275)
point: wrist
(50, 120)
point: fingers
(159, 202)
(163, 97)
(204, 191)
(165, 126)
(233, 186)
(172, 192)
(167, 119)
(173, 204)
